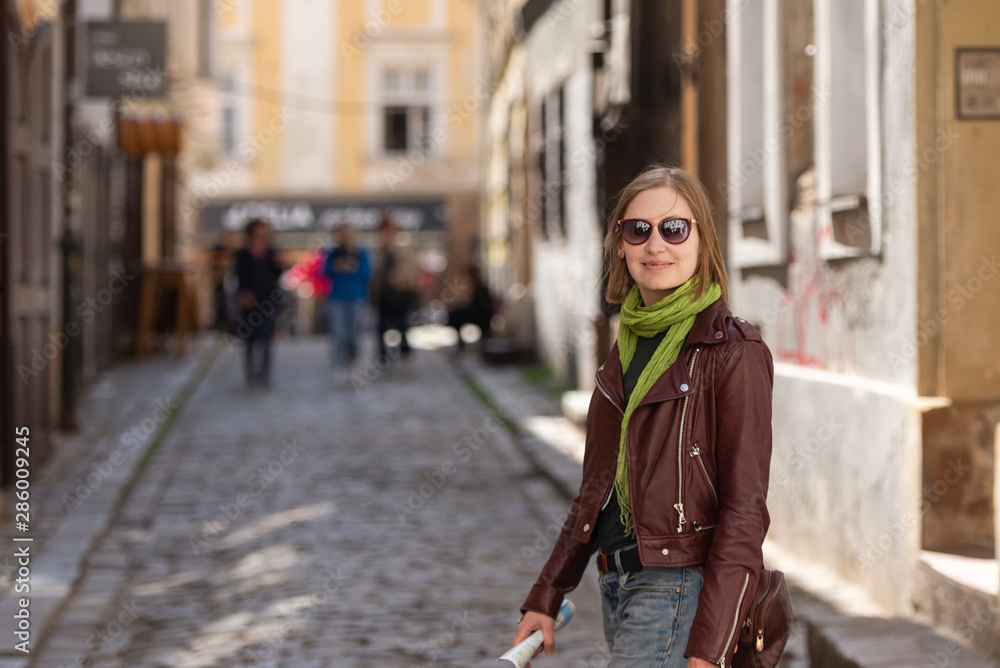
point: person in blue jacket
(350, 269)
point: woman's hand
(695, 662)
(531, 622)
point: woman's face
(658, 268)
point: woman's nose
(655, 243)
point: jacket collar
(709, 329)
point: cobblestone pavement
(389, 524)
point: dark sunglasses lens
(676, 230)
(636, 231)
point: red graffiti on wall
(812, 330)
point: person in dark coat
(257, 270)
(393, 290)
(477, 310)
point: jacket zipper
(736, 621)
(608, 397)
(696, 452)
(679, 506)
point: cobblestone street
(388, 524)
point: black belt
(629, 558)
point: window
(758, 209)
(407, 128)
(552, 163)
(391, 80)
(407, 110)
(848, 158)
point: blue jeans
(648, 615)
(345, 322)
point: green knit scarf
(676, 314)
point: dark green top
(610, 530)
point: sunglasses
(636, 231)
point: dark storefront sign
(126, 58)
(306, 216)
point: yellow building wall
(959, 238)
(410, 14)
(350, 131)
(464, 109)
(354, 31)
(266, 107)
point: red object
(310, 270)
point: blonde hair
(711, 266)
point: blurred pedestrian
(257, 271)
(678, 445)
(477, 309)
(394, 290)
(349, 269)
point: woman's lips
(657, 265)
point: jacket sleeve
(563, 570)
(743, 460)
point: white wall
(840, 332)
(567, 271)
(307, 71)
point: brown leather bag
(767, 626)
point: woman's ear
(621, 251)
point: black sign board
(126, 59)
(322, 216)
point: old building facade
(316, 114)
(845, 146)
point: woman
(678, 445)
(257, 271)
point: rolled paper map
(521, 653)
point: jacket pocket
(697, 455)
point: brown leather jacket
(699, 453)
